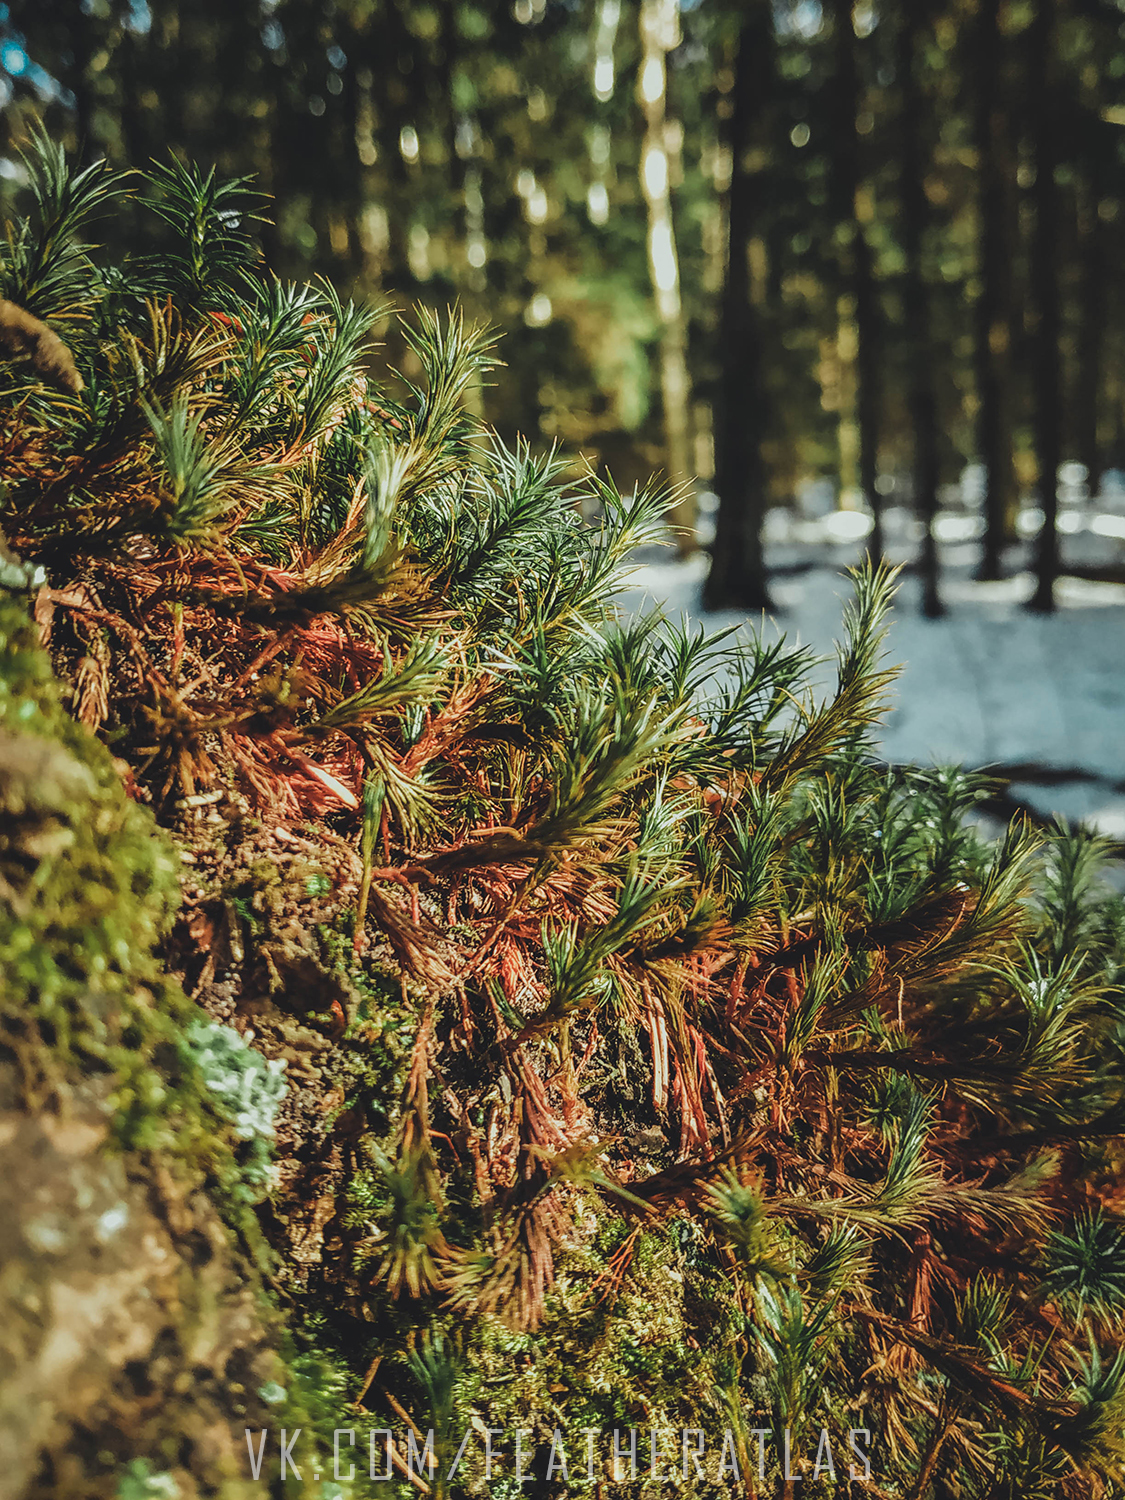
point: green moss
(89, 885)
(655, 1353)
(92, 883)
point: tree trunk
(868, 383)
(916, 306)
(738, 575)
(86, 43)
(1045, 297)
(993, 307)
(856, 264)
(1091, 332)
(659, 34)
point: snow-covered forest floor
(1037, 700)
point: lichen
(247, 1087)
(139, 1482)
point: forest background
(793, 254)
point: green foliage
(208, 218)
(414, 1236)
(797, 1347)
(46, 267)
(740, 1215)
(1085, 1267)
(673, 1057)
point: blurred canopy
(749, 241)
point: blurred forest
(809, 255)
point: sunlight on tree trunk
(853, 207)
(660, 32)
(605, 35)
(847, 428)
(1092, 321)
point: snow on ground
(1038, 698)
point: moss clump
(89, 886)
(90, 883)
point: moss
(139, 1482)
(656, 1352)
(96, 1044)
(90, 885)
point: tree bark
(1092, 313)
(1045, 296)
(659, 22)
(916, 305)
(856, 263)
(993, 307)
(738, 574)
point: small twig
(401, 1411)
(400, 1464)
(367, 1379)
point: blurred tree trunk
(850, 211)
(132, 60)
(1045, 297)
(993, 308)
(394, 107)
(738, 575)
(1093, 310)
(922, 396)
(660, 32)
(85, 44)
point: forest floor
(1036, 700)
